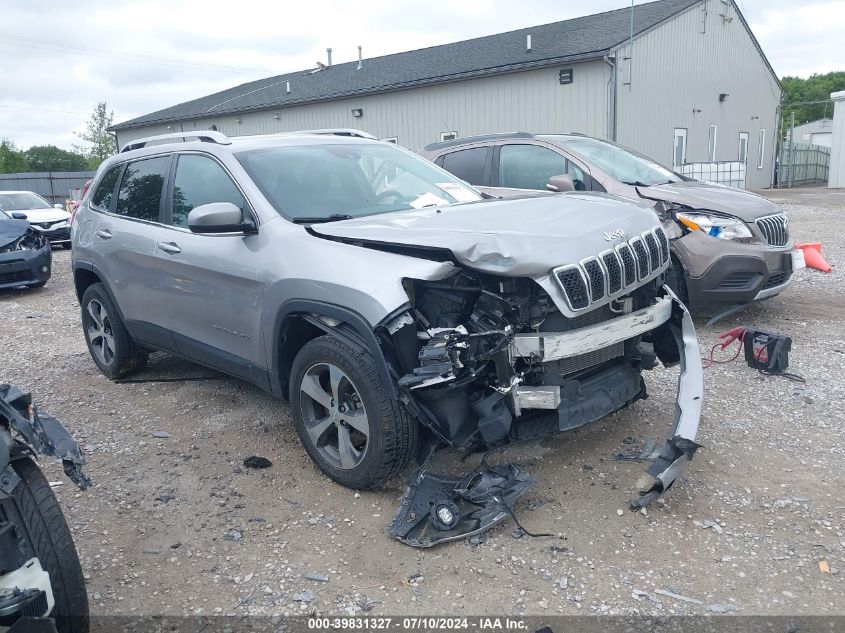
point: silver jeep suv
(397, 308)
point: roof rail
(204, 136)
(339, 132)
(477, 139)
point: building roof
(814, 127)
(587, 37)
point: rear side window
(105, 191)
(467, 164)
(140, 190)
(529, 166)
(201, 180)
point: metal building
(682, 81)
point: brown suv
(728, 245)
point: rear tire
(112, 349)
(35, 512)
(326, 366)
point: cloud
(142, 56)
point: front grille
(664, 245)
(653, 250)
(596, 278)
(642, 257)
(775, 228)
(573, 284)
(59, 235)
(614, 272)
(567, 366)
(16, 276)
(777, 279)
(629, 264)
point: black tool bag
(766, 351)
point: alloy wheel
(99, 332)
(334, 415)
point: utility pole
(791, 148)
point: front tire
(34, 511)
(348, 423)
(110, 346)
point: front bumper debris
(436, 509)
(680, 444)
(41, 432)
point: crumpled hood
(702, 195)
(512, 237)
(10, 230)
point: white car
(51, 220)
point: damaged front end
(27, 431)
(486, 360)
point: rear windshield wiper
(334, 217)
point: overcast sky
(58, 59)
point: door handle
(104, 234)
(170, 247)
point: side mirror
(59, 206)
(218, 217)
(561, 183)
(18, 216)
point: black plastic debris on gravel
(257, 462)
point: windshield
(319, 183)
(621, 164)
(22, 201)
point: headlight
(721, 226)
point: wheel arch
(300, 321)
(86, 275)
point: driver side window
(529, 166)
(200, 180)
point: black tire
(126, 358)
(392, 436)
(35, 512)
(676, 280)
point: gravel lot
(177, 525)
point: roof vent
(287, 87)
(329, 54)
(528, 43)
(360, 59)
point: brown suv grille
(775, 228)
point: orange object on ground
(813, 256)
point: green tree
(52, 158)
(12, 160)
(798, 91)
(96, 134)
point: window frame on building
(679, 133)
(742, 148)
(712, 138)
